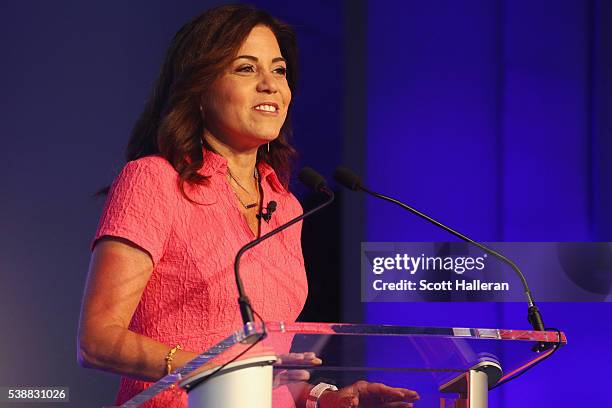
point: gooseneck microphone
(310, 178)
(351, 181)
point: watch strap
(316, 392)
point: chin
(267, 137)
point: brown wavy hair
(171, 124)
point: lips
(269, 107)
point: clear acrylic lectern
(449, 367)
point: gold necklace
(246, 206)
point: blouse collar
(214, 163)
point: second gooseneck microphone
(351, 181)
(316, 182)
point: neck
(241, 162)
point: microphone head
(271, 207)
(347, 178)
(312, 179)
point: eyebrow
(255, 59)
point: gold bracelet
(169, 358)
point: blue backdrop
(494, 116)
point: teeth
(267, 108)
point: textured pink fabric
(190, 298)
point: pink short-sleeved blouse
(191, 296)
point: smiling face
(249, 102)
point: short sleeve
(141, 204)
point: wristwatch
(316, 392)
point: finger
(279, 378)
(289, 358)
(410, 395)
(312, 358)
(380, 389)
(280, 358)
(296, 356)
(293, 359)
(383, 393)
(403, 393)
(297, 375)
(314, 361)
(290, 376)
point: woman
(207, 153)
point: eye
(281, 71)
(246, 68)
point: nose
(267, 83)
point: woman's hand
(365, 394)
(284, 377)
